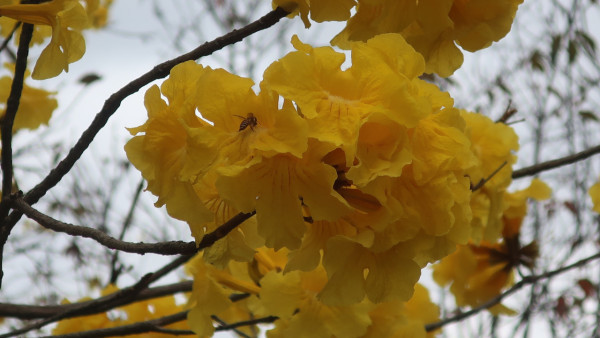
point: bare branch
(162, 248)
(496, 300)
(552, 164)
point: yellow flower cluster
(478, 273)
(432, 27)
(129, 314)
(358, 176)
(63, 20)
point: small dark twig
(496, 300)
(508, 113)
(263, 320)
(114, 271)
(484, 180)
(552, 164)
(9, 37)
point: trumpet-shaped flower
(277, 187)
(336, 103)
(355, 271)
(67, 18)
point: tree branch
(552, 164)
(23, 311)
(496, 300)
(162, 248)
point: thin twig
(496, 300)
(484, 180)
(552, 164)
(114, 272)
(263, 320)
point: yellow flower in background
(594, 193)
(128, 314)
(35, 107)
(97, 12)
(322, 10)
(67, 18)
(433, 27)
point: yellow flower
(35, 107)
(433, 27)
(595, 195)
(336, 103)
(277, 187)
(173, 152)
(67, 18)
(211, 290)
(322, 10)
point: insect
(248, 121)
